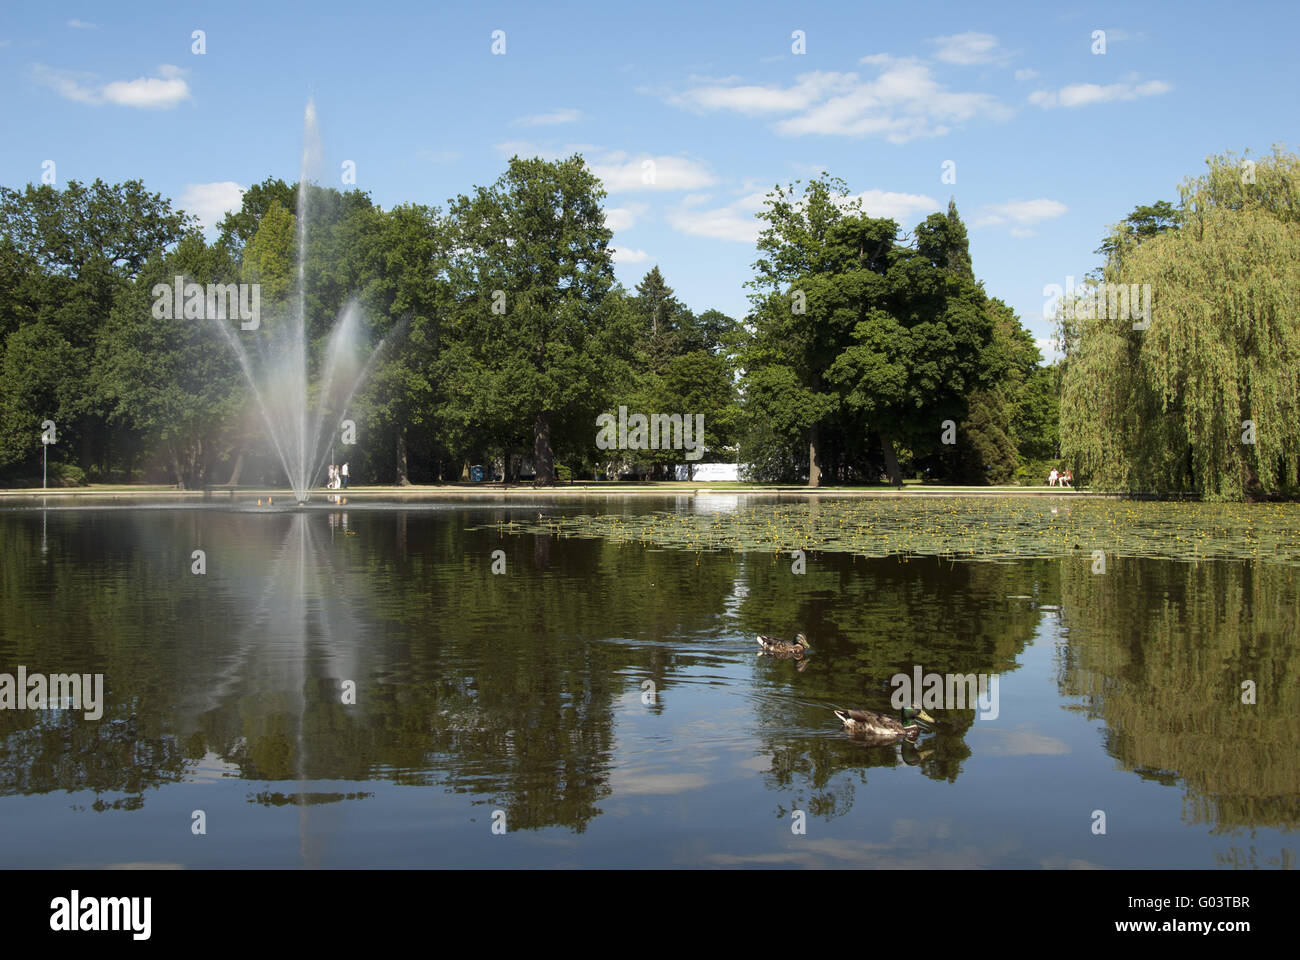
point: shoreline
(452, 492)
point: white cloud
(736, 222)
(1020, 213)
(1083, 94)
(753, 100)
(554, 118)
(1021, 232)
(1049, 348)
(904, 102)
(968, 49)
(625, 217)
(624, 255)
(211, 201)
(902, 207)
(624, 173)
(151, 93)
(1026, 74)
(76, 24)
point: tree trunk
(891, 461)
(198, 465)
(543, 456)
(85, 457)
(814, 457)
(401, 479)
(176, 470)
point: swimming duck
(874, 724)
(784, 648)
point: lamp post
(48, 436)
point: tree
(917, 354)
(1143, 223)
(268, 258)
(798, 332)
(535, 245)
(1207, 396)
(173, 381)
(408, 299)
(1037, 414)
(67, 257)
(660, 313)
(864, 342)
(238, 227)
(988, 440)
(941, 239)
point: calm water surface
(604, 703)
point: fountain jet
(297, 426)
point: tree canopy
(501, 335)
(1206, 398)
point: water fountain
(279, 377)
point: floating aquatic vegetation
(970, 528)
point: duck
(774, 647)
(874, 724)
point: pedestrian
(330, 485)
(344, 472)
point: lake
(354, 686)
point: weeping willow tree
(1200, 392)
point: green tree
(942, 240)
(66, 257)
(408, 298)
(1207, 397)
(1143, 223)
(988, 440)
(238, 227)
(1037, 414)
(172, 381)
(799, 319)
(269, 256)
(536, 244)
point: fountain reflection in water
(277, 368)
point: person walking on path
(344, 477)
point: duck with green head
(773, 647)
(875, 724)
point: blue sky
(1049, 142)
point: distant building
(708, 472)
